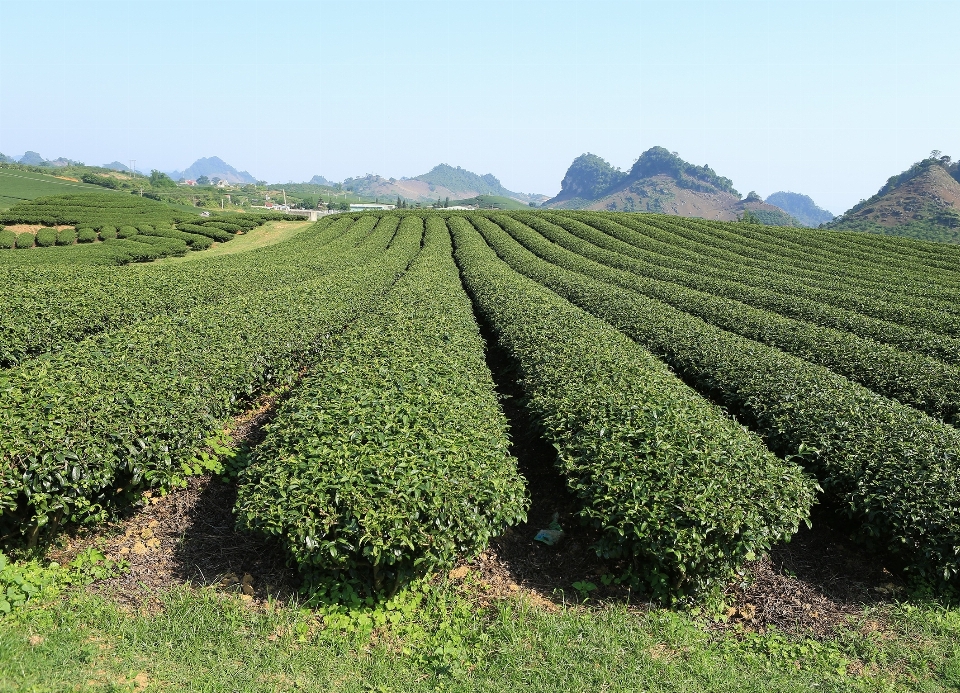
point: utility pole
(133, 167)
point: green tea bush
(86, 235)
(85, 209)
(46, 237)
(166, 246)
(194, 240)
(25, 240)
(656, 262)
(160, 388)
(893, 471)
(97, 299)
(392, 460)
(920, 381)
(672, 484)
(126, 232)
(107, 233)
(211, 231)
(66, 237)
(231, 228)
(8, 239)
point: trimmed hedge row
(126, 232)
(205, 230)
(169, 246)
(392, 460)
(613, 236)
(739, 243)
(86, 235)
(107, 233)
(125, 409)
(674, 485)
(902, 310)
(8, 239)
(194, 240)
(870, 287)
(25, 240)
(223, 226)
(920, 381)
(92, 300)
(938, 256)
(92, 209)
(891, 469)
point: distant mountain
(660, 181)
(213, 167)
(117, 166)
(800, 207)
(922, 202)
(32, 159)
(441, 182)
(460, 180)
(320, 180)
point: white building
(365, 206)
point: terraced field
(703, 384)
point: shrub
(66, 236)
(653, 463)
(232, 228)
(25, 240)
(211, 231)
(157, 389)
(8, 239)
(103, 181)
(86, 235)
(126, 232)
(46, 237)
(890, 469)
(327, 479)
(107, 233)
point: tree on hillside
(203, 180)
(158, 179)
(446, 202)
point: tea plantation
(112, 229)
(703, 385)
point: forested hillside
(662, 182)
(922, 202)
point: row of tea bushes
(392, 459)
(891, 469)
(653, 463)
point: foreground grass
(439, 639)
(268, 234)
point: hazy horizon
(827, 99)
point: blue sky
(824, 98)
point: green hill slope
(800, 207)
(660, 182)
(923, 202)
(17, 186)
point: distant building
(362, 207)
(204, 214)
(189, 182)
